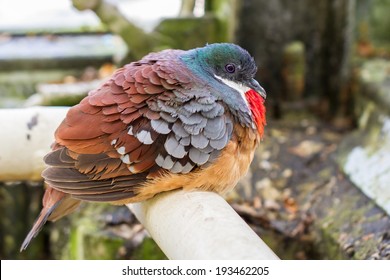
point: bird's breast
(234, 161)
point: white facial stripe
(242, 89)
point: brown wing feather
(93, 145)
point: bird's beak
(253, 84)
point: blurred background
(319, 186)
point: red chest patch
(256, 104)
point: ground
(300, 202)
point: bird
(175, 119)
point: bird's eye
(230, 68)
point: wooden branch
(199, 225)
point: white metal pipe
(186, 225)
(25, 137)
(199, 225)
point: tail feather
(39, 223)
(56, 204)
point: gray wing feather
(174, 148)
(195, 118)
(160, 126)
(198, 157)
(220, 143)
(168, 162)
(179, 130)
(199, 141)
(216, 111)
(185, 141)
(195, 126)
(214, 128)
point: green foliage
(373, 21)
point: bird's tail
(56, 204)
(39, 223)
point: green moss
(380, 20)
(21, 84)
(101, 246)
(83, 235)
(294, 55)
(341, 231)
(76, 246)
(19, 206)
(63, 99)
(366, 249)
(275, 241)
(294, 69)
(90, 243)
(328, 247)
(325, 173)
(373, 15)
(187, 33)
(149, 250)
(225, 11)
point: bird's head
(230, 72)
